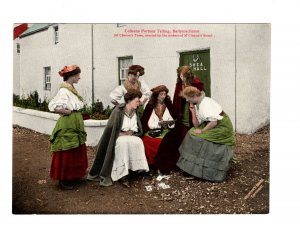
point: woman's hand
(192, 108)
(114, 102)
(166, 124)
(163, 124)
(67, 112)
(197, 131)
(128, 133)
(208, 127)
(63, 111)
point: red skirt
(151, 148)
(69, 164)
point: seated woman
(161, 152)
(207, 149)
(120, 148)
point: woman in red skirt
(69, 153)
(157, 122)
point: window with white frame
(124, 63)
(55, 34)
(47, 78)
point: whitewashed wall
(253, 77)
(160, 57)
(16, 68)
(239, 58)
(39, 51)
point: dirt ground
(35, 193)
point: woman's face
(161, 96)
(132, 78)
(76, 78)
(182, 77)
(192, 99)
(134, 103)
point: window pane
(124, 65)
(56, 34)
(47, 78)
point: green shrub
(32, 101)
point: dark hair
(131, 95)
(134, 69)
(155, 93)
(67, 75)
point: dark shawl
(105, 152)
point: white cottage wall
(39, 51)
(16, 68)
(239, 59)
(253, 76)
(36, 54)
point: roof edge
(35, 31)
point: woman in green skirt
(207, 149)
(67, 141)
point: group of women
(146, 131)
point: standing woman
(120, 149)
(185, 78)
(207, 149)
(157, 118)
(132, 82)
(67, 141)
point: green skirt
(68, 133)
(222, 133)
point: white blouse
(66, 99)
(130, 123)
(153, 120)
(208, 110)
(118, 93)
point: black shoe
(125, 182)
(65, 185)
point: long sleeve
(65, 99)
(118, 94)
(208, 110)
(145, 90)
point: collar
(72, 89)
